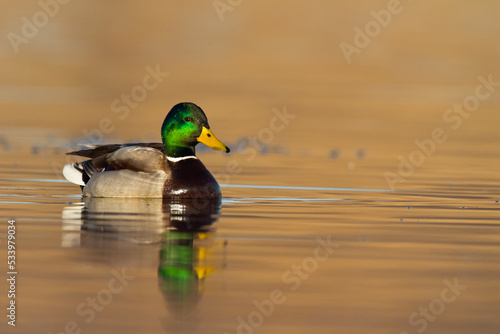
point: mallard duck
(169, 169)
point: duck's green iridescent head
(185, 126)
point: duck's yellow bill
(208, 138)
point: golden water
(369, 161)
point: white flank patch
(72, 174)
(181, 158)
(86, 146)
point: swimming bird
(169, 169)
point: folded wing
(145, 158)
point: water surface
(268, 258)
(354, 201)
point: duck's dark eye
(187, 119)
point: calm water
(268, 259)
(361, 194)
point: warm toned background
(353, 123)
(263, 55)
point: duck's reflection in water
(133, 220)
(189, 250)
(189, 253)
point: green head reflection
(189, 252)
